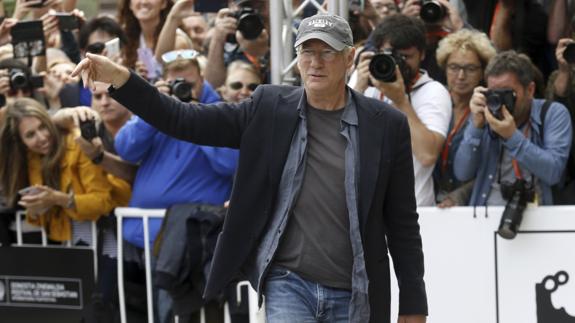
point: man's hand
(561, 46)
(182, 9)
(411, 319)
(90, 148)
(395, 90)
(452, 20)
(70, 118)
(362, 70)
(478, 105)
(100, 68)
(411, 8)
(163, 86)
(224, 24)
(505, 127)
(5, 27)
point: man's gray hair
(511, 62)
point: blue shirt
(478, 153)
(172, 171)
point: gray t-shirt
(316, 242)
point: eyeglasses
(169, 57)
(238, 85)
(327, 55)
(389, 7)
(467, 69)
(95, 48)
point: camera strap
(452, 133)
(516, 168)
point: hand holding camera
(499, 113)
(565, 53)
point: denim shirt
(290, 185)
(543, 154)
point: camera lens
(382, 67)
(569, 53)
(250, 25)
(432, 11)
(182, 90)
(18, 79)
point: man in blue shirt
(173, 171)
(511, 142)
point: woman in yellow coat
(43, 170)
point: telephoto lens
(432, 11)
(382, 67)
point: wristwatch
(99, 158)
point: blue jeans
(291, 298)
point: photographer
(255, 51)
(514, 143)
(173, 171)
(425, 102)
(561, 88)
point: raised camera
(88, 129)
(432, 11)
(517, 196)
(569, 53)
(20, 80)
(181, 89)
(382, 66)
(497, 98)
(250, 24)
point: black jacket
(262, 128)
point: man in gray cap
(324, 187)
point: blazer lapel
(371, 129)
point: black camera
(382, 67)
(20, 80)
(517, 195)
(432, 11)
(182, 89)
(28, 39)
(495, 99)
(250, 24)
(569, 53)
(88, 129)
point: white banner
(474, 276)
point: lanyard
(415, 79)
(514, 162)
(445, 152)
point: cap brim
(332, 42)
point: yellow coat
(93, 192)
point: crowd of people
(487, 89)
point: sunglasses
(169, 57)
(96, 48)
(238, 85)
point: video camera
(495, 99)
(517, 195)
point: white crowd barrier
(146, 215)
(473, 275)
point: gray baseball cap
(331, 29)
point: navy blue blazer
(262, 128)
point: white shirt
(432, 104)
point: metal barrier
(146, 214)
(93, 245)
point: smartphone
(40, 5)
(67, 21)
(210, 5)
(30, 190)
(113, 47)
